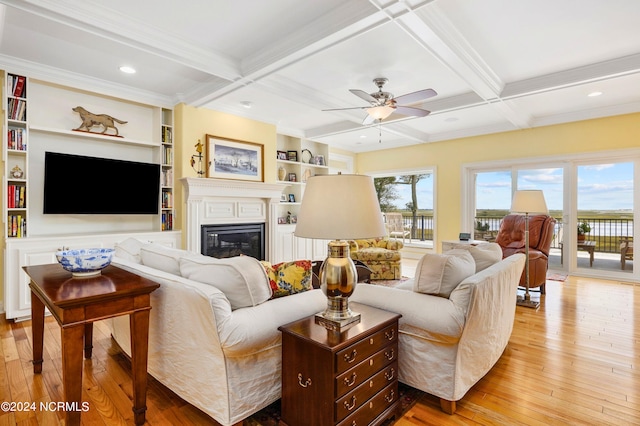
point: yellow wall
(619, 132)
(192, 124)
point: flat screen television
(76, 184)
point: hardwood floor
(574, 361)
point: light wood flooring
(574, 361)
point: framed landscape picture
(234, 159)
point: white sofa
(448, 342)
(226, 360)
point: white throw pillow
(163, 258)
(242, 279)
(129, 249)
(440, 274)
(485, 254)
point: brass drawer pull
(305, 383)
(352, 357)
(390, 354)
(390, 334)
(390, 397)
(353, 404)
(351, 382)
(390, 375)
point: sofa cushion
(289, 277)
(485, 254)
(129, 249)
(242, 279)
(161, 257)
(439, 274)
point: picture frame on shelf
(282, 220)
(293, 177)
(292, 198)
(234, 159)
(292, 155)
(319, 160)
(282, 155)
(283, 198)
(294, 219)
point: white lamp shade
(529, 201)
(340, 207)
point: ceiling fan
(383, 104)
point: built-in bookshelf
(15, 156)
(297, 160)
(166, 178)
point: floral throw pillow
(289, 277)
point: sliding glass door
(593, 201)
(604, 216)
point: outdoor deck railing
(605, 232)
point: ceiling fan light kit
(380, 112)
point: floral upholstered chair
(381, 255)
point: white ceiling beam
(352, 19)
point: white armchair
(395, 226)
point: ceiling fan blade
(416, 112)
(419, 96)
(364, 95)
(344, 109)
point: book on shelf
(16, 196)
(15, 140)
(167, 155)
(18, 87)
(16, 226)
(17, 109)
(167, 135)
(167, 178)
(167, 199)
(167, 221)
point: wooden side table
(76, 303)
(331, 378)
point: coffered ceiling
(497, 65)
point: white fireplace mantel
(220, 201)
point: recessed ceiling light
(246, 104)
(363, 136)
(594, 94)
(127, 69)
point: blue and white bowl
(85, 262)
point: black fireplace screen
(233, 240)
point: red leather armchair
(512, 240)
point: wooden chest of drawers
(348, 378)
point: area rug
(389, 283)
(556, 277)
(270, 416)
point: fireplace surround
(228, 202)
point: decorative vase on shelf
(282, 173)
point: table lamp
(339, 208)
(527, 202)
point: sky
(600, 187)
